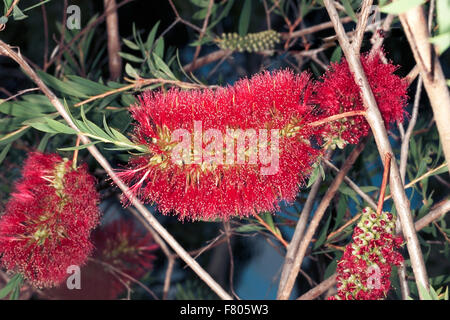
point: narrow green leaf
(130, 44)
(60, 127)
(159, 48)
(131, 71)
(4, 152)
(442, 41)
(244, 19)
(443, 15)
(18, 14)
(336, 55)
(323, 234)
(15, 281)
(12, 136)
(151, 37)
(400, 6)
(163, 66)
(348, 8)
(249, 228)
(83, 146)
(131, 57)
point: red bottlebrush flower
(339, 93)
(48, 220)
(119, 249)
(365, 267)
(209, 180)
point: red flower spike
(365, 267)
(48, 220)
(120, 249)
(339, 93)
(278, 101)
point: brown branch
(112, 32)
(63, 48)
(361, 25)
(285, 292)
(354, 186)
(415, 26)
(319, 289)
(276, 235)
(298, 233)
(202, 32)
(387, 164)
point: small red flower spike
(338, 93)
(48, 220)
(215, 176)
(365, 268)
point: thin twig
(285, 292)
(354, 186)
(361, 25)
(384, 182)
(227, 229)
(202, 32)
(406, 139)
(298, 233)
(319, 289)
(278, 236)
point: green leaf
(341, 210)
(151, 37)
(61, 86)
(131, 57)
(336, 55)
(3, 20)
(159, 48)
(130, 44)
(249, 228)
(16, 281)
(7, 4)
(443, 14)
(12, 136)
(163, 66)
(4, 152)
(49, 125)
(348, 8)
(244, 19)
(330, 269)
(323, 234)
(224, 13)
(314, 175)
(131, 71)
(18, 14)
(400, 6)
(200, 3)
(367, 189)
(36, 5)
(83, 146)
(442, 41)
(424, 293)
(349, 192)
(44, 141)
